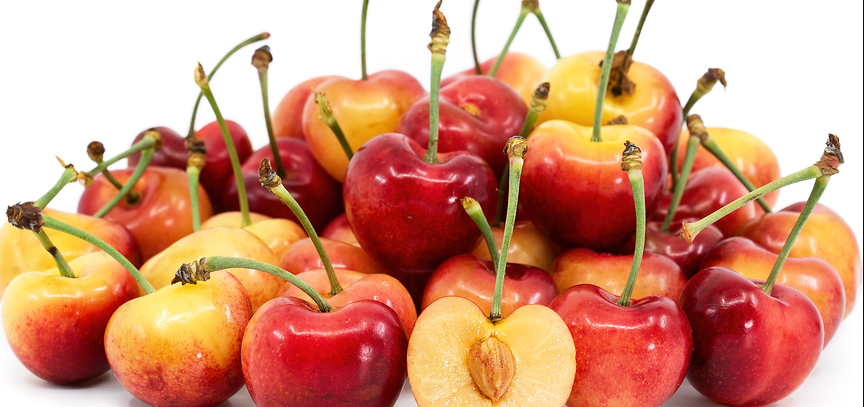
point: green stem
(363, 38)
(142, 145)
(498, 61)
(146, 156)
(818, 188)
(516, 149)
(690, 230)
(325, 113)
(217, 263)
(638, 187)
(542, 20)
(274, 149)
(715, 149)
(694, 97)
(283, 194)
(620, 14)
(477, 69)
(502, 196)
(239, 46)
(111, 179)
(69, 175)
(437, 66)
(62, 265)
(235, 160)
(193, 173)
(689, 157)
(638, 33)
(473, 209)
(95, 241)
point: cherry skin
(55, 325)
(573, 189)
(812, 276)
(477, 114)
(670, 245)
(218, 162)
(294, 355)
(21, 251)
(625, 356)
(522, 72)
(340, 229)
(743, 338)
(316, 192)
(172, 154)
(302, 256)
(473, 278)
(160, 217)
(288, 117)
(405, 212)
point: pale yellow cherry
(277, 233)
(219, 241)
(526, 359)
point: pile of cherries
(599, 259)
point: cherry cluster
(602, 257)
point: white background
(73, 72)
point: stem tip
(191, 273)
(95, 150)
(201, 77)
(631, 157)
(831, 159)
(25, 216)
(440, 32)
(267, 176)
(618, 121)
(516, 147)
(262, 58)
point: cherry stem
(193, 173)
(713, 148)
(52, 223)
(146, 156)
(524, 12)
(516, 149)
(259, 37)
(632, 163)
(689, 157)
(363, 38)
(270, 180)
(62, 265)
(204, 84)
(473, 209)
(261, 60)
(149, 140)
(638, 32)
(690, 230)
(620, 15)
(69, 175)
(818, 188)
(325, 114)
(542, 20)
(438, 46)
(216, 263)
(477, 69)
(703, 86)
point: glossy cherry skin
(708, 190)
(573, 189)
(749, 348)
(364, 109)
(473, 278)
(359, 286)
(625, 356)
(163, 214)
(294, 355)
(218, 162)
(172, 154)
(672, 246)
(340, 229)
(654, 104)
(315, 191)
(477, 114)
(406, 212)
(750, 154)
(288, 117)
(658, 275)
(527, 246)
(814, 277)
(825, 235)
(181, 345)
(302, 256)
(55, 325)
(21, 252)
(522, 72)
